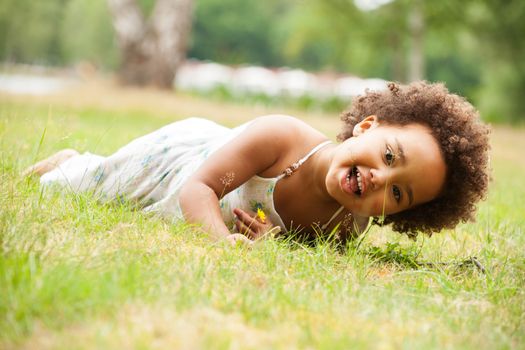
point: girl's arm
(255, 150)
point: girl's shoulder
(285, 126)
(284, 139)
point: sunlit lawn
(78, 274)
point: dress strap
(292, 168)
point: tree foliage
(30, 30)
(500, 26)
(475, 46)
(239, 31)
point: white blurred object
(297, 82)
(203, 76)
(348, 87)
(254, 79)
(369, 5)
(32, 85)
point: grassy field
(78, 274)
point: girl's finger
(245, 229)
(262, 223)
(246, 218)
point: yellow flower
(261, 215)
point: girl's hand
(254, 226)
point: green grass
(78, 274)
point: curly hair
(463, 141)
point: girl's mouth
(354, 181)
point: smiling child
(415, 155)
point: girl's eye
(397, 193)
(389, 156)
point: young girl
(415, 155)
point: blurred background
(311, 54)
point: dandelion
(227, 179)
(261, 215)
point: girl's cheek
(379, 206)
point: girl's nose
(378, 177)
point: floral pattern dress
(151, 170)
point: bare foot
(50, 163)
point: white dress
(151, 170)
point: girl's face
(385, 169)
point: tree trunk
(416, 27)
(151, 50)
(398, 71)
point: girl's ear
(366, 124)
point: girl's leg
(50, 163)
